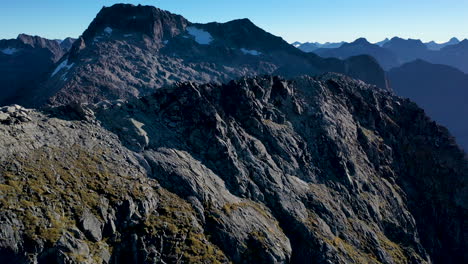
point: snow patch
(140, 131)
(108, 30)
(201, 37)
(127, 35)
(9, 51)
(63, 65)
(165, 42)
(251, 52)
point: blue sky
(302, 20)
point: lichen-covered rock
(259, 170)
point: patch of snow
(201, 37)
(251, 52)
(141, 132)
(108, 30)
(9, 51)
(62, 66)
(127, 35)
(165, 42)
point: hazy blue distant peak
(432, 45)
(381, 43)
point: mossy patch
(50, 189)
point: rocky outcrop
(259, 170)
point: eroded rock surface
(259, 170)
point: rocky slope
(130, 51)
(24, 62)
(260, 170)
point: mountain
(407, 49)
(432, 45)
(442, 91)
(151, 48)
(258, 170)
(67, 43)
(296, 44)
(453, 55)
(381, 43)
(24, 61)
(311, 46)
(386, 58)
(397, 51)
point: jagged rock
(260, 170)
(91, 226)
(68, 243)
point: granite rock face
(130, 51)
(260, 170)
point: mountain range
(153, 48)
(152, 139)
(440, 90)
(311, 46)
(395, 52)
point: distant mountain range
(442, 91)
(397, 51)
(432, 45)
(311, 46)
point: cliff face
(260, 170)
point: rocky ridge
(264, 170)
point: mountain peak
(361, 41)
(128, 18)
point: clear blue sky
(302, 20)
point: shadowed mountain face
(453, 55)
(386, 58)
(259, 170)
(442, 91)
(24, 62)
(407, 49)
(130, 51)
